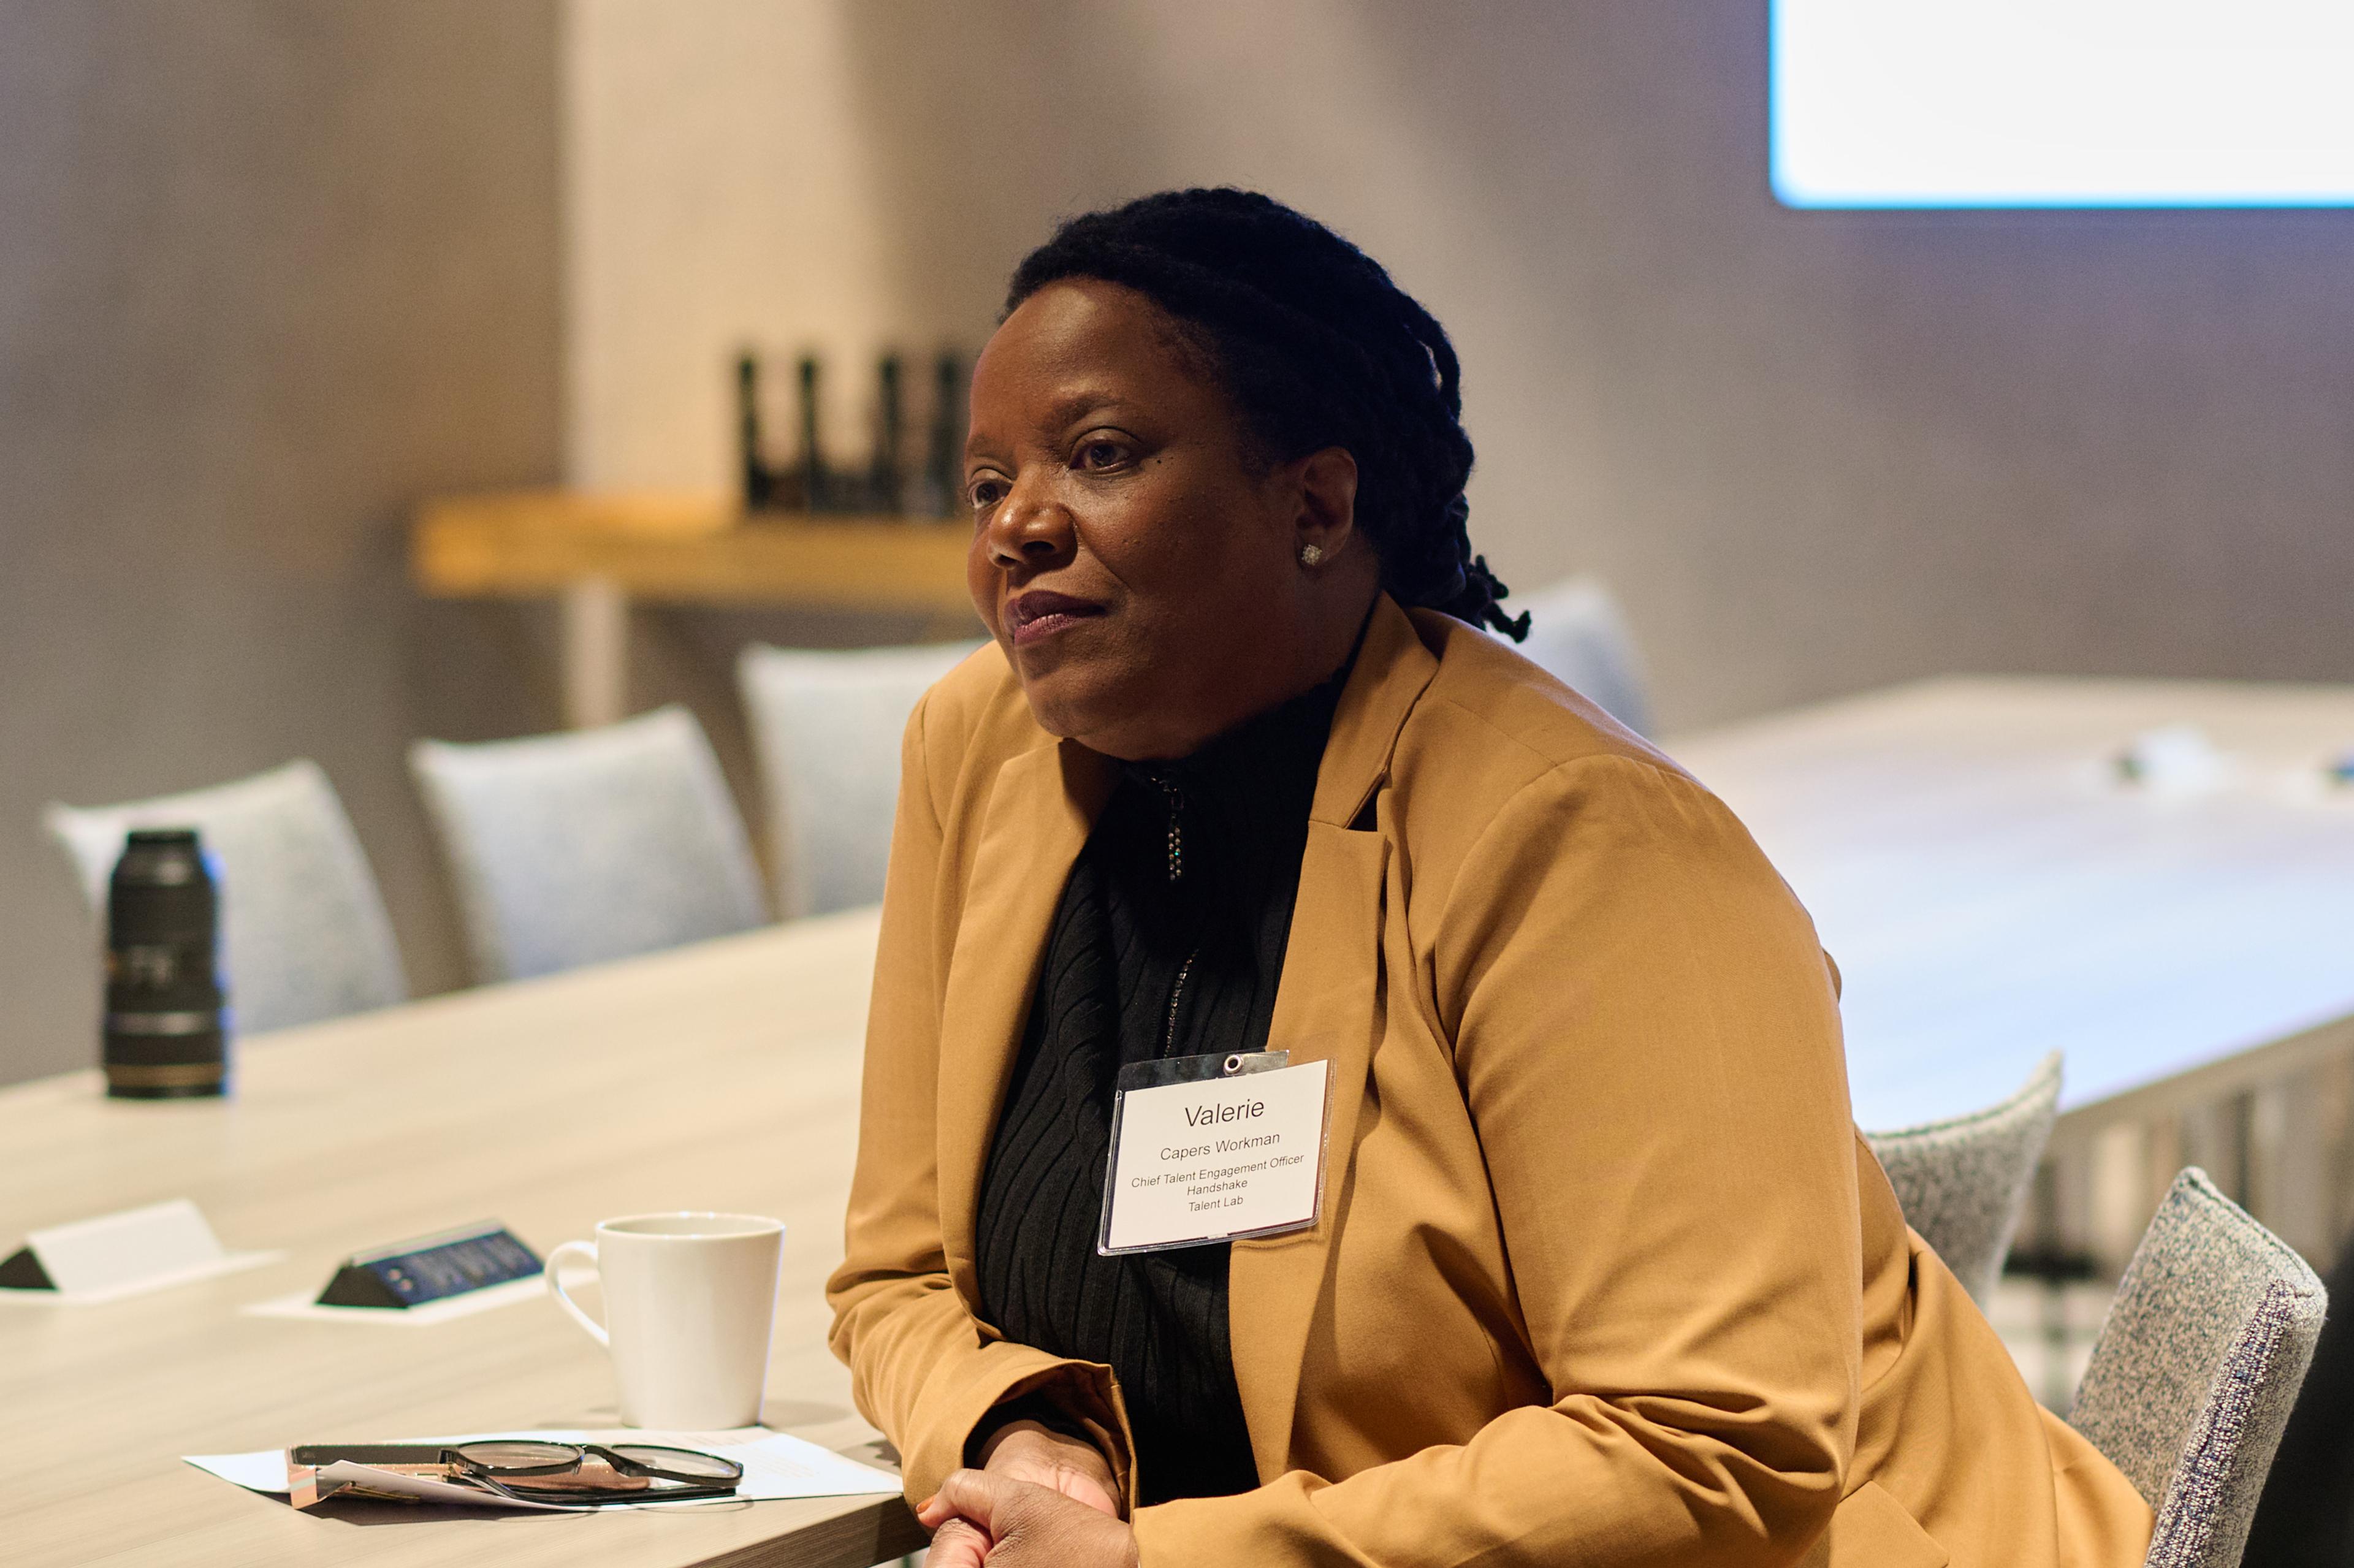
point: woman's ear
(1328, 502)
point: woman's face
(1140, 572)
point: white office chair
(304, 933)
(1577, 636)
(574, 849)
(825, 729)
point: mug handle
(556, 1289)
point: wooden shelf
(684, 547)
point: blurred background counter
(595, 553)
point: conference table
(1993, 887)
(723, 1076)
(1989, 885)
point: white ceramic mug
(689, 1300)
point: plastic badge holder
(1161, 1074)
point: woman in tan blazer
(1601, 1272)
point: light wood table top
(687, 547)
(1991, 891)
(719, 1077)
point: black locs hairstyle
(1318, 348)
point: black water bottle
(167, 1027)
(817, 484)
(760, 479)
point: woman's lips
(1039, 614)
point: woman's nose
(1031, 531)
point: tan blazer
(1603, 1275)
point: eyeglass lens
(679, 1462)
(520, 1459)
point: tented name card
(431, 1268)
(121, 1255)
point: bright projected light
(2063, 102)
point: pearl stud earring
(1311, 554)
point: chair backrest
(573, 849)
(304, 933)
(1577, 636)
(1962, 1182)
(826, 727)
(2196, 1368)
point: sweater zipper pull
(1175, 797)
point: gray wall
(268, 273)
(1815, 451)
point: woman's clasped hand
(1039, 1497)
(977, 1517)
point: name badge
(1207, 1149)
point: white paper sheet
(776, 1466)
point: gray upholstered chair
(304, 933)
(825, 728)
(1577, 636)
(573, 849)
(2196, 1368)
(1961, 1183)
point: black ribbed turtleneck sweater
(1168, 942)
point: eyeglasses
(593, 1472)
(530, 1470)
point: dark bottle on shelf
(882, 479)
(817, 486)
(759, 480)
(944, 454)
(165, 1032)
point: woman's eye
(985, 492)
(1101, 454)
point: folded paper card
(775, 1466)
(121, 1255)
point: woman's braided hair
(1318, 348)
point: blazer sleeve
(1646, 1036)
(923, 1371)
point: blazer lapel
(1328, 1007)
(1037, 821)
(1392, 669)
